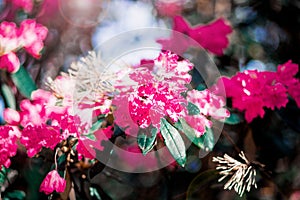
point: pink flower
(11, 116)
(36, 137)
(169, 8)
(212, 37)
(209, 105)
(32, 36)
(26, 5)
(8, 146)
(53, 182)
(10, 62)
(252, 91)
(153, 94)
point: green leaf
(201, 87)
(233, 119)
(206, 141)
(201, 184)
(24, 82)
(173, 141)
(16, 194)
(8, 96)
(3, 175)
(96, 126)
(193, 109)
(209, 139)
(182, 125)
(94, 193)
(146, 139)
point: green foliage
(16, 194)
(24, 82)
(8, 96)
(233, 119)
(206, 141)
(173, 141)
(96, 126)
(193, 109)
(146, 139)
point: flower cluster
(154, 93)
(252, 90)
(8, 146)
(210, 105)
(30, 36)
(157, 92)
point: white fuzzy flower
(242, 174)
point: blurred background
(265, 34)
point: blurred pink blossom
(53, 182)
(26, 5)
(212, 37)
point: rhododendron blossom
(252, 91)
(210, 105)
(153, 94)
(212, 37)
(53, 182)
(30, 36)
(26, 5)
(8, 146)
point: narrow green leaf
(96, 126)
(173, 141)
(146, 139)
(209, 139)
(16, 194)
(8, 96)
(183, 126)
(193, 109)
(206, 141)
(3, 175)
(94, 193)
(233, 119)
(24, 82)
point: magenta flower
(153, 93)
(212, 37)
(36, 137)
(8, 146)
(53, 182)
(26, 5)
(32, 36)
(210, 105)
(252, 91)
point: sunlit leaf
(206, 141)
(233, 119)
(173, 141)
(24, 82)
(8, 96)
(96, 126)
(193, 109)
(146, 139)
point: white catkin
(242, 175)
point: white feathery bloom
(242, 174)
